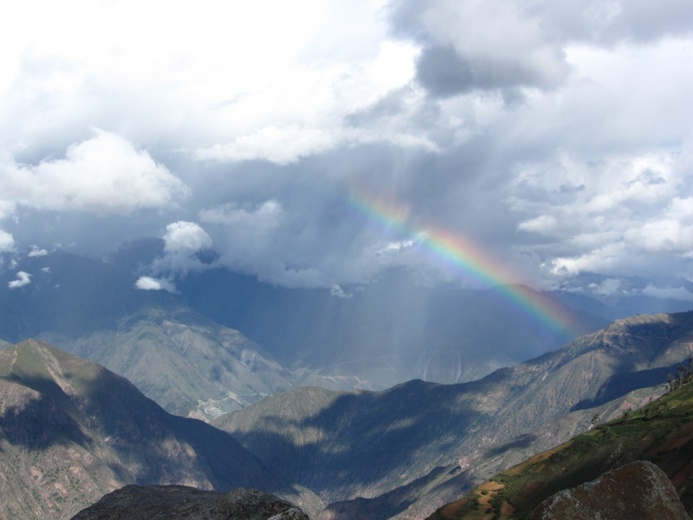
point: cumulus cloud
(104, 174)
(23, 278)
(183, 241)
(147, 283)
(185, 236)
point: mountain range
(383, 401)
(225, 340)
(356, 445)
(72, 431)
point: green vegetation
(659, 432)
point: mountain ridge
(417, 426)
(72, 430)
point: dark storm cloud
(468, 46)
(444, 72)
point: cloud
(102, 175)
(36, 251)
(461, 54)
(278, 145)
(554, 134)
(183, 241)
(188, 237)
(496, 45)
(677, 293)
(6, 242)
(23, 278)
(147, 283)
(337, 291)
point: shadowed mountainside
(363, 444)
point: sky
(319, 143)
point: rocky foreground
(178, 502)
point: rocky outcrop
(178, 502)
(637, 490)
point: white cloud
(36, 251)
(182, 241)
(394, 247)
(104, 174)
(544, 224)
(678, 293)
(283, 145)
(147, 283)
(186, 236)
(23, 278)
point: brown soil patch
(491, 485)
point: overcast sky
(556, 135)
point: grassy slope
(660, 432)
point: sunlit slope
(185, 362)
(660, 432)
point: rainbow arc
(470, 260)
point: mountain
(659, 433)
(364, 444)
(398, 327)
(392, 330)
(71, 431)
(184, 361)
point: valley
(350, 435)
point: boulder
(178, 502)
(637, 490)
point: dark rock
(637, 490)
(178, 502)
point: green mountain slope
(186, 363)
(661, 432)
(71, 431)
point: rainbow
(469, 260)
